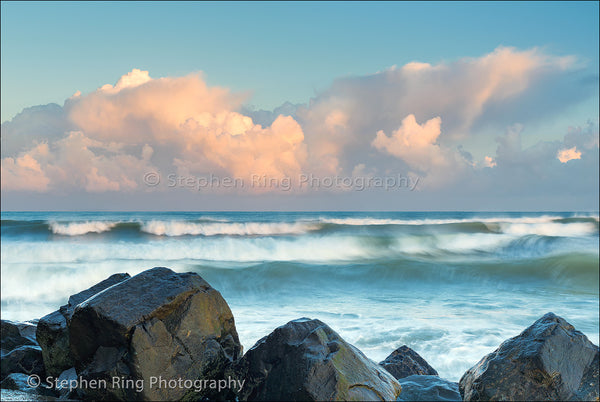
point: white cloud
(565, 155)
(389, 122)
(489, 162)
(414, 143)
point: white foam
(80, 228)
(313, 249)
(182, 228)
(549, 229)
(453, 243)
(417, 222)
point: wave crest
(182, 228)
(80, 228)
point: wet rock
(52, 329)
(25, 359)
(550, 360)
(306, 360)
(15, 334)
(19, 382)
(404, 362)
(421, 387)
(588, 388)
(63, 385)
(156, 324)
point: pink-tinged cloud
(489, 162)
(138, 107)
(25, 172)
(142, 124)
(565, 155)
(414, 143)
(276, 152)
(108, 139)
(339, 122)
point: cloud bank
(418, 119)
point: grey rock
(15, 334)
(52, 329)
(306, 360)
(550, 360)
(404, 362)
(18, 382)
(157, 323)
(25, 359)
(588, 387)
(420, 387)
(63, 382)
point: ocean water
(451, 285)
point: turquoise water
(451, 285)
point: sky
(299, 106)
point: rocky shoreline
(161, 335)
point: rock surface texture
(550, 360)
(306, 360)
(19, 351)
(52, 329)
(404, 362)
(156, 324)
(428, 388)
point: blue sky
(279, 51)
(491, 105)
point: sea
(450, 285)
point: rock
(15, 334)
(550, 360)
(25, 359)
(156, 324)
(52, 329)
(306, 360)
(20, 352)
(421, 387)
(62, 384)
(588, 388)
(404, 362)
(53, 336)
(18, 382)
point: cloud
(249, 150)
(493, 90)
(132, 79)
(414, 143)
(143, 124)
(24, 173)
(138, 107)
(489, 162)
(565, 155)
(33, 125)
(439, 121)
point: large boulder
(404, 362)
(421, 387)
(550, 360)
(306, 360)
(52, 329)
(156, 325)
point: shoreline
(73, 320)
